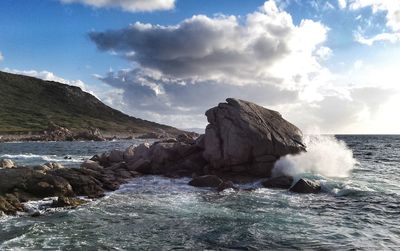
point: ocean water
(359, 207)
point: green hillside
(29, 105)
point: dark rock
(116, 156)
(36, 214)
(206, 181)
(226, 185)
(141, 166)
(67, 202)
(306, 186)
(186, 138)
(244, 134)
(284, 182)
(90, 164)
(82, 184)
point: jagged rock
(67, 202)
(90, 164)
(186, 138)
(284, 182)
(57, 133)
(82, 184)
(206, 181)
(90, 134)
(129, 153)
(141, 166)
(54, 165)
(116, 156)
(7, 163)
(226, 185)
(306, 186)
(241, 133)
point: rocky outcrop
(306, 186)
(23, 184)
(245, 138)
(67, 202)
(241, 143)
(283, 182)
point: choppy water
(153, 213)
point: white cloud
(129, 5)
(342, 4)
(223, 48)
(1, 56)
(182, 70)
(392, 10)
(382, 37)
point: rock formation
(245, 138)
(241, 142)
(306, 186)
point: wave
(325, 155)
(45, 158)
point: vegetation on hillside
(29, 105)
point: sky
(328, 66)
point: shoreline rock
(241, 143)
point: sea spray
(325, 155)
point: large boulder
(116, 156)
(284, 182)
(306, 186)
(246, 138)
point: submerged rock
(284, 182)
(247, 138)
(306, 186)
(206, 181)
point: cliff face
(29, 105)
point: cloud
(179, 71)
(223, 48)
(382, 37)
(392, 10)
(48, 76)
(128, 5)
(1, 56)
(342, 4)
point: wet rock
(82, 184)
(283, 182)
(7, 163)
(206, 181)
(36, 214)
(306, 186)
(67, 202)
(226, 185)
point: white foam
(325, 155)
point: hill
(30, 105)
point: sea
(358, 208)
